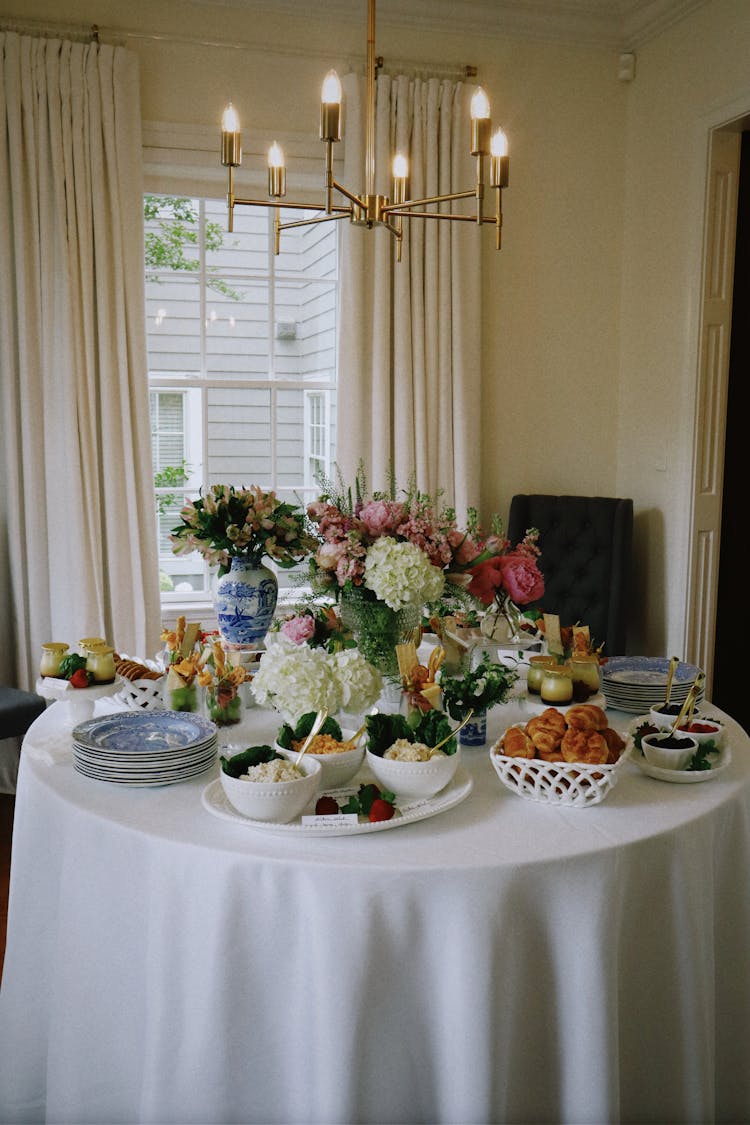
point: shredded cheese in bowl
(323, 744)
(405, 751)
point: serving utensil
(686, 711)
(460, 726)
(320, 718)
(674, 661)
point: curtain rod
(115, 36)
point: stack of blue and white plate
(144, 748)
(637, 683)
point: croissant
(586, 716)
(517, 744)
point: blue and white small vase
(245, 601)
(475, 731)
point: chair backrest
(585, 544)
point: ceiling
(620, 24)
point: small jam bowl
(414, 779)
(668, 752)
(710, 730)
(664, 719)
(336, 769)
(276, 801)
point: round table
(505, 961)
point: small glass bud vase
(224, 704)
(183, 698)
(52, 654)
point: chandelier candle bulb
(400, 178)
(276, 171)
(231, 138)
(330, 108)
(480, 123)
(499, 160)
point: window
(242, 361)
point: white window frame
(181, 161)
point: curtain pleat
(409, 332)
(79, 527)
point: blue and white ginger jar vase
(245, 601)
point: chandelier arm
(357, 200)
(343, 214)
(291, 206)
(396, 208)
(447, 216)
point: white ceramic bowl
(668, 757)
(277, 801)
(337, 769)
(661, 720)
(414, 779)
(716, 734)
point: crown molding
(619, 24)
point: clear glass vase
(224, 704)
(378, 629)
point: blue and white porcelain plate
(646, 670)
(134, 732)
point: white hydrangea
(359, 682)
(295, 679)
(400, 574)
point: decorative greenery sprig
(483, 687)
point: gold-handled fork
(320, 718)
(460, 726)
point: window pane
(237, 333)
(239, 436)
(245, 250)
(173, 325)
(305, 329)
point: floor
(7, 805)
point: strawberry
(326, 806)
(381, 810)
(80, 678)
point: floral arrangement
(405, 549)
(316, 625)
(295, 678)
(483, 687)
(227, 522)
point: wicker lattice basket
(558, 783)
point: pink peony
(328, 555)
(299, 629)
(486, 578)
(381, 517)
(465, 549)
(521, 578)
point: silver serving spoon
(320, 718)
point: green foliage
(287, 735)
(362, 801)
(70, 663)
(176, 219)
(384, 730)
(171, 476)
(253, 756)
(481, 688)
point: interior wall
(689, 80)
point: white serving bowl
(716, 734)
(276, 801)
(668, 757)
(337, 769)
(661, 720)
(414, 779)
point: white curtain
(409, 332)
(78, 528)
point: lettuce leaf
(288, 734)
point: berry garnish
(381, 810)
(326, 806)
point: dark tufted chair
(585, 543)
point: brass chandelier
(370, 209)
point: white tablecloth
(503, 962)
